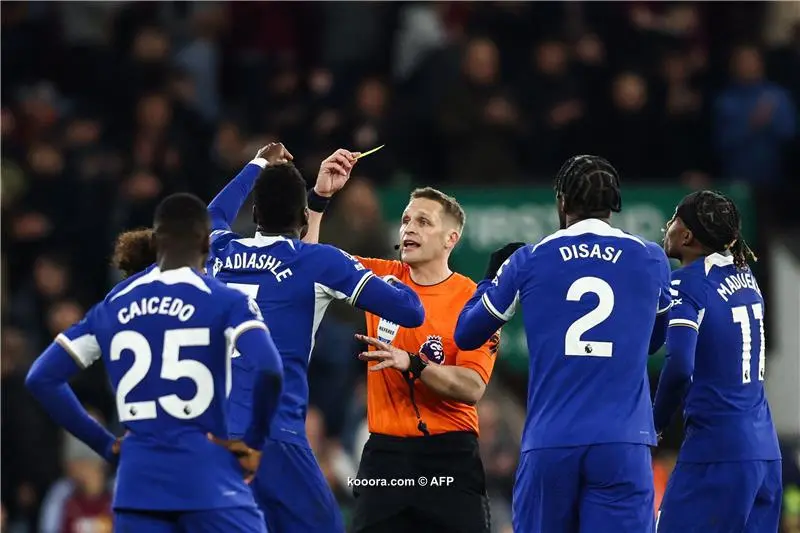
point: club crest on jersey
(387, 331)
(433, 349)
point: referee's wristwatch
(416, 365)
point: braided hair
(589, 186)
(715, 221)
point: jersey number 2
(173, 368)
(573, 343)
(741, 317)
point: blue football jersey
(727, 416)
(165, 340)
(293, 284)
(589, 295)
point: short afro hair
(134, 251)
(280, 199)
(181, 222)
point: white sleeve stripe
(683, 322)
(246, 326)
(84, 350)
(359, 287)
(493, 310)
(664, 310)
(62, 341)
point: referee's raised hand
(334, 172)
(387, 355)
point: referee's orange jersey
(390, 402)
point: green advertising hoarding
(496, 217)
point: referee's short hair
(450, 205)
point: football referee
(421, 388)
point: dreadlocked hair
(134, 251)
(589, 186)
(720, 218)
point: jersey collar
(170, 277)
(589, 225)
(717, 260)
(267, 240)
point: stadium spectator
(754, 118)
(479, 120)
(80, 501)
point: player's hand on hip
(248, 458)
(500, 256)
(387, 355)
(116, 446)
(275, 153)
(334, 172)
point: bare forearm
(314, 223)
(454, 382)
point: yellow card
(365, 154)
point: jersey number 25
(173, 368)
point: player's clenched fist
(335, 171)
(275, 153)
(249, 459)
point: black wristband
(316, 202)
(416, 365)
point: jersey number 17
(742, 317)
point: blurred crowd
(109, 106)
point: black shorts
(391, 496)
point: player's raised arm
(333, 175)
(224, 208)
(663, 272)
(48, 381)
(495, 299)
(392, 300)
(347, 279)
(684, 323)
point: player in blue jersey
(590, 294)
(164, 335)
(728, 475)
(293, 283)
